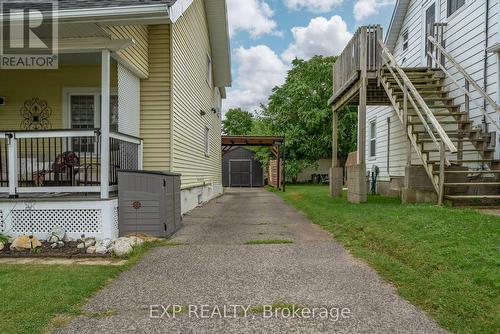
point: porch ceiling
(75, 30)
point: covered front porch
(69, 130)
(64, 135)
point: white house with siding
(139, 86)
(453, 100)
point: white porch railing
(64, 161)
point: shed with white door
(240, 169)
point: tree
(299, 111)
(237, 122)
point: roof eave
(219, 41)
(143, 12)
(397, 20)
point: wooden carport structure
(274, 142)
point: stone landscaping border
(61, 261)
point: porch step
(442, 114)
(416, 80)
(468, 197)
(465, 140)
(422, 86)
(457, 122)
(487, 150)
(460, 184)
(464, 161)
(436, 106)
(400, 93)
(417, 69)
(495, 171)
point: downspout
(485, 70)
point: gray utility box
(149, 203)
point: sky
(266, 35)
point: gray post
(357, 185)
(336, 172)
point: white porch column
(12, 165)
(105, 100)
(141, 156)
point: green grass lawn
(444, 260)
(32, 295)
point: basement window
(454, 5)
(373, 138)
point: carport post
(336, 172)
(284, 166)
(278, 168)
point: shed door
(240, 173)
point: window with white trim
(373, 138)
(207, 141)
(405, 40)
(83, 111)
(209, 71)
(454, 5)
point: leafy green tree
(237, 122)
(299, 111)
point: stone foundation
(357, 183)
(418, 187)
(410, 196)
(390, 188)
(336, 181)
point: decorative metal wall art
(36, 114)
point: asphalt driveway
(216, 269)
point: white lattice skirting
(92, 218)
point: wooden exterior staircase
(470, 173)
(457, 156)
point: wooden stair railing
(431, 125)
(438, 59)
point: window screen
(82, 117)
(373, 138)
(454, 5)
(405, 39)
(207, 141)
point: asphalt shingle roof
(77, 4)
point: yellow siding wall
(191, 93)
(136, 55)
(48, 85)
(156, 101)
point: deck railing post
(362, 97)
(408, 142)
(442, 159)
(105, 131)
(12, 164)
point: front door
(430, 19)
(85, 113)
(240, 173)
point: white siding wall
(465, 40)
(191, 95)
